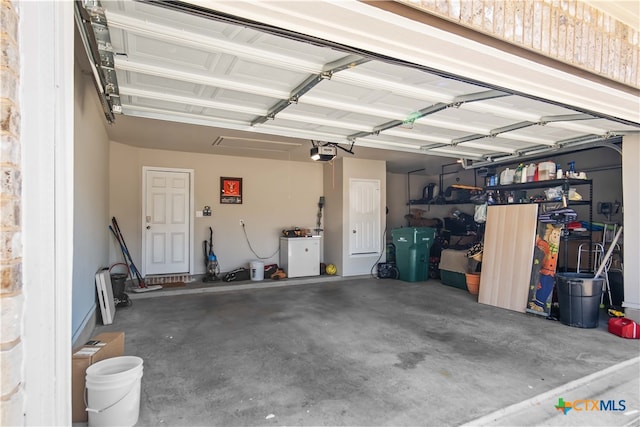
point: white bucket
(257, 270)
(113, 391)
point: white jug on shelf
(546, 171)
(506, 176)
(531, 172)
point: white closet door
(364, 216)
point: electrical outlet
(605, 208)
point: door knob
(353, 231)
(148, 227)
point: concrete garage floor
(366, 352)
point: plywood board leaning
(509, 240)
(105, 296)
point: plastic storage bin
(413, 245)
(579, 299)
(453, 266)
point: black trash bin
(117, 284)
(579, 297)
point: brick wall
(570, 31)
(11, 298)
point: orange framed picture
(230, 190)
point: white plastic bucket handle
(97, 411)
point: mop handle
(609, 251)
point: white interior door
(364, 216)
(166, 221)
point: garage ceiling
(175, 62)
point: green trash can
(413, 245)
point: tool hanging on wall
(142, 287)
(318, 228)
(210, 260)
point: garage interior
(183, 86)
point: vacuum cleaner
(210, 260)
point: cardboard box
(100, 347)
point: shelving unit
(425, 202)
(549, 184)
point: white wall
(277, 194)
(90, 207)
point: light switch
(199, 214)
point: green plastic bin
(413, 245)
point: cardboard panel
(509, 241)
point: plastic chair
(597, 251)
